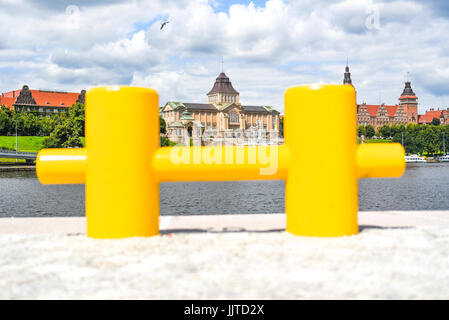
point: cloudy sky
(267, 46)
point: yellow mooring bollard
(122, 163)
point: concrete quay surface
(397, 255)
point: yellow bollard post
(122, 134)
(321, 187)
(321, 197)
(122, 163)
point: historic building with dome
(223, 116)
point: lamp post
(444, 143)
(402, 133)
(16, 134)
(15, 121)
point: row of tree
(65, 130)
(428, 139)
(62, 130)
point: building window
(233, 117)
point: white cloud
(266, 49)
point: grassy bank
(11, 161)
(24, 144)
(378, 141)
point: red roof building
(431, 114)
(378, 115)
(41, 101)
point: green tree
(423, 139)
(281, 126)
(445, 128)
(162, 125)
(5, 120)
(51, 142)
(361, 131)
(77, 114)
(395, 129)
(30, 124)
(412, 128)
(65, 135)
(435, 122)
(370, 132)
(18, 119)
(73, 141)
(384, 131)
(165, 142)
(47, 125)
(429, 139)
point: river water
(422, 187)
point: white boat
(414, 158)
(444, 158)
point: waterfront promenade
(397, 255)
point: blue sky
(267, 46)
(225, 5)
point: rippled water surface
(423, 187)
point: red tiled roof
(372, 110)
(423, 118)
(11, 94)
(42, 98)
(392, 110)
(429, 116)
(7, 101)
(55, 99)
(408, 97)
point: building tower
(409, 101)
(347, 79)
(222, 92)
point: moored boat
(414, 158)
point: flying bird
(163, 24)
